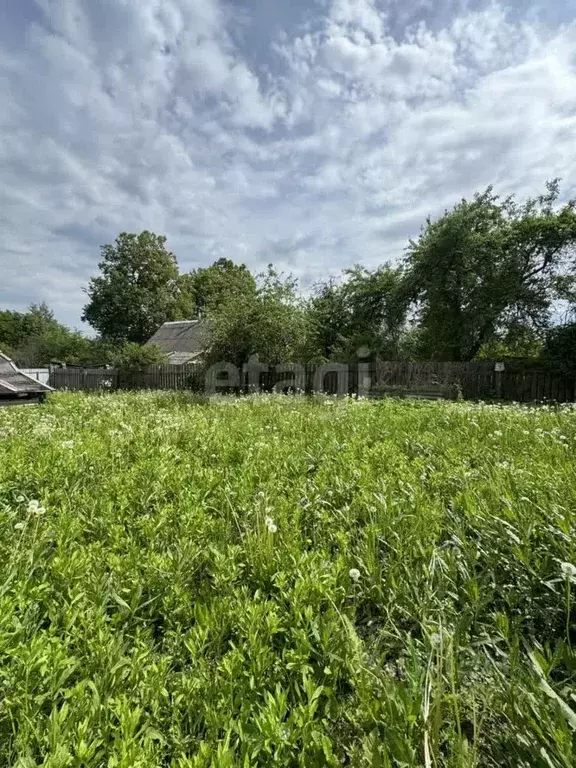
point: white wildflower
(354, 574)
(568, 570)
(272, 528)
(34, 508)
(19, 499)
(20, 526)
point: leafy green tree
(35, 339)
(487, 267)
(16, 328)
(376, 307)
(12, 332)
(560, 348)
(206, 288)
(328, 321)
(367, 310)
(137, 289)
(269, 322)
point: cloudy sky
(314, 134)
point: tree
(137, 290)
(207, 288)
(560, 348)
(368, 310)
(16, 328)
(35, 339)
(328, 321)
(486, 268)
(377, 309)
(269, 322)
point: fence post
(498, 369)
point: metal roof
(13, 381)
(183, 340)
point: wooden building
(184, 341)
(16, 387)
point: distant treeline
(484, 281)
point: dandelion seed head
(354, 574)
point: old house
(183, 341)
(17, 387)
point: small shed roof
(183, 340)
(14, 382)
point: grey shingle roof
(14, 382)
(183, 341)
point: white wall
(40, 374)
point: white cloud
(131, 114)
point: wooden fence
(474, 381)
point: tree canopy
(269, 322)
(485, 280)
(486, 270)
(137, 289)
(207, 288)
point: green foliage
(367, 310)
(486, 266)
(210, 287)
(269, 322)
(481, 282)
(327, 318)
(560, 348)
(286, 582)
(36, 339)
(523, 345)
(16, 328)
(376, 310)
(133, 358)
(138, 289)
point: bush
(133, 358)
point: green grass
(150, 617)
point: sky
(314, 134)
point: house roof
(14, 382)
(183, 340)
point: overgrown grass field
(279, 581)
